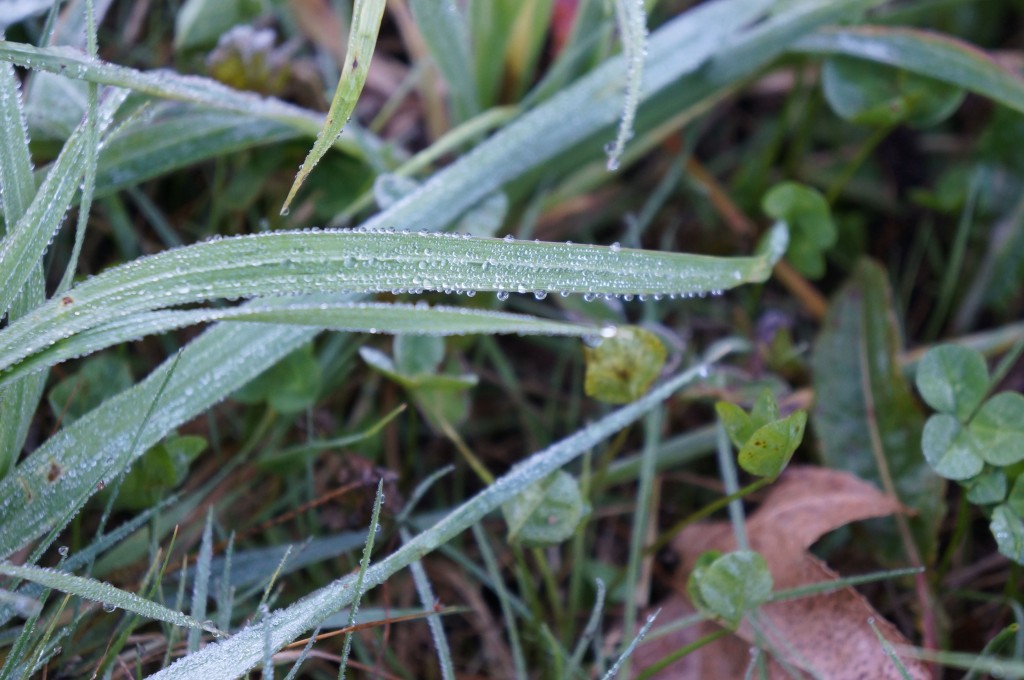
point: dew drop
(509, 238)
(64, 551)
(615, 247)
(109, 608)
(502, 295)
(540, 294)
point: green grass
(199, 390)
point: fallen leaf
(825, 635)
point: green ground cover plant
(511, 338)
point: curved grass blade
(109, 595)
(244, 650)
(168, 85)
(364, 262)
(930, 54)
(366, 18)
(18, 403)
(632, 23)
(359, 317)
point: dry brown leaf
(826, 635)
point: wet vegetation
(511, 339)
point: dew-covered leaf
(445, 33)
(999, 429)
(1008, 529)
(362, 39)
(161, 469)
(98, 379)
(951, 449)
(547, 512)
(864, 413)
(812, 230)
(769, 449)
(733, 585)
(622, 367)
(370, 317)
(359, 261)
(987, 488)
(866, 92)
(291, 386)
(98, 591)
(953, 380)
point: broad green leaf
(622, 367)
(810, 221)
(999, 429)
(245, 649)
(769, 449)
(734, 584)
(951, 449)
(987, 488)
(545, 513)
(444, 30)
(175, 135)
(360, 261)
(162, 468)
(935, 55)
(200, 22)
(953, 380)
(98, 379)
(704, 560)
(291, 386)
(98, 591)
(865, 416)
(362, 39)
(418, 354)
(866, 92)
(1008, 529)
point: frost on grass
(632, 22)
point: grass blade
(365, 317)
(444, 31)
(366, 18)
(354, 261)
(633, 32)
(98, 591)
(23, 247)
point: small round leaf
(953, 380)
(987, 488)
(621, 369)
(767, 452)
(952, 450)
(1008, 529)
(999, 428)
(734, 584)
(546, 513)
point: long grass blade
(363, 262)
(110, 596)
